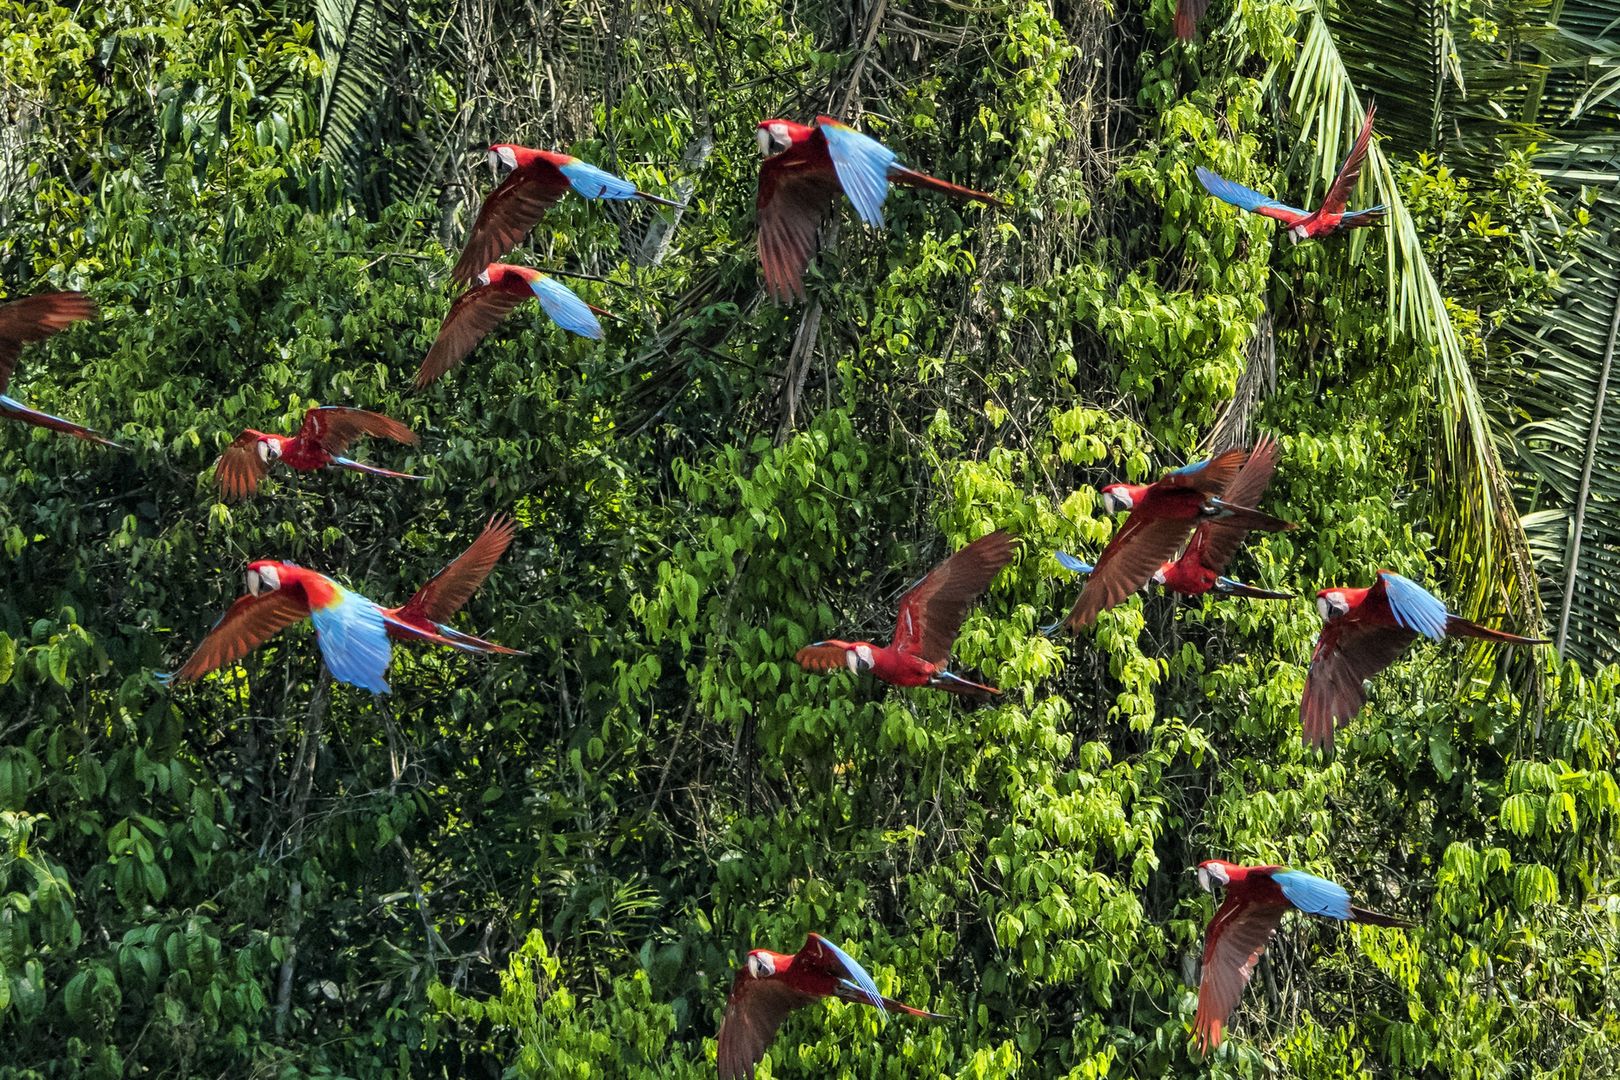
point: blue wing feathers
(1415, 607)
(1312, 894)
(863, 169)
(354, 640)
(857, 974)
(566, 310)
(1072, 564)
(594, 183)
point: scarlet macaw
(1180, 581)
(931, 614)
(326, 433)
(423, 616)
(804, 168)
(1162, 514)
(1257, 897)
(770, 985)
(1363, 632)
(536, 179)
(36, 318)
(1305, 225)
(502, 287)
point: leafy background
(549, 867)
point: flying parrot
(1188, 12)
(931, 614)
(770, 985)
(36, 318)
(1256, 899)
(423, 616)
(502, 287)
(1363, 632)
(804, 168)
(1303, 225)
(1162, 514)
(327, 432)
(535, 180)
(1180, 581)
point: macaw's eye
(760, 967)
(269, 579)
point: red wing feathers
(249, 623)
(1217, 545)
(335, 428)
(240, 469)
(931, 613)
(754, 1012)
(1345, 183)
(449, 590)
(822, 658)
(509, 212)
(474, 314)
(1127, 563)
(794, 199)
(1188, 12)
(1212, 477)
(36, 318)
(1347, 654)
(1236, 937)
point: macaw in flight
(502, 287)
(326, 434)
(424, 615)
(1188, 12)
(770, 985)
(1330, 218)
(1257, 897)
(1162, 514)
(1364, 631)
(535, 181)
(931, 615)
(36, 318)
(804, 168)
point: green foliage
(551, 866)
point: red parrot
(536, 180)
(502, 287)
(1188, 12)
(770, 985)
(424, 615)
(1363, 632)
(931, 614)
(1257, 897)
(36, 318)
(1198, 569)
(804, 168)
(1162, 514)
(1305, 225)
(327, 432)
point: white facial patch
(269, 450)
(269, 579)
(483, 277)
(1116, 500)
(760, 966)
(1331, 605)
(859, 658)
(502, 157)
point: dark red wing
(1236, 937)
(1188, 12)
(334, 428)
(1126, 564)
(931, 613)
(474, 314)
(1345, 183)
(795, 196)
(1217, 545)
(754, 1012)
(36, 318)
(511, 210)
(451, 588)
(249, 623)
(1348, 653)
(1208, 477)
(240, 470)
(822, 658)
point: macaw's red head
(268, 447)
(831, 654)
(776, 136)
(263, 577)
(501, 273)
(1214, 874)
(1336, 603)
(1117, 497)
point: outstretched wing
(449, 590)
(754, 1012)
(794, 199)
(249, 623)
(12, 409)
(1209, 477)
(36, 318)
(566, 310)
(1312, 894)
(474, 314)
(931, 613)
(1215, 545)
(862, 164)
(1236, 937)
(511, 210)
(1350, 172)
(1245, 198)
(1127, 564)
(1188, 12)
(822, 954)
(240, 468)
(334, 428)
(1348, 653)
(1413, 606)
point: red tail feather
(1458, 626)
(912, 178)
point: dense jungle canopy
(551, 866)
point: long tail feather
(659, 201)
(475, 643)
(1228, 587)
(1458, 626)
(955, 684)
(372, 470)
(1375, 918)
(1244, 517)
(899, 174)
(899, 1006)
